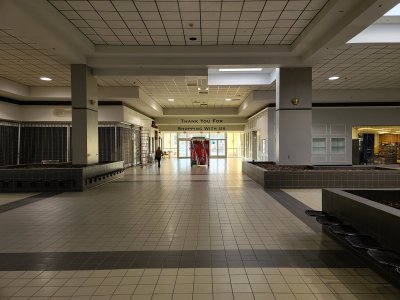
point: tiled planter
(379, 221)
(322, 177)
(58, 179)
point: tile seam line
(26, 201)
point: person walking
(159, 154)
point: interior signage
(190, 127)
(202, 128)
(201, 121)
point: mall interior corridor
(176, 233)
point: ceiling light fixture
(334, 78)
(240, 70)
(171, 99)
(46, 79)
(228, 99)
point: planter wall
(369, 217)
(322, 177)
(58, 179)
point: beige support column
(85, 146)
(293, 116)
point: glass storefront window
(318, 145)
(337, 145)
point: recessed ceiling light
(334, 78)
(46, 79)
(228, 99)
(241, 70)
(171, 99)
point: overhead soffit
(175, 22)
(184, 90)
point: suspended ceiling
(127, 41)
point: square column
(85, 145)
(293, 116)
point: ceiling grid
(166, 22)
(24, 61)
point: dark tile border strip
(295, 207)
(178, 259)
(26, 201)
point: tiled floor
(11, 197)
(175, 233)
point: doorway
(217, 148)
(183, 148)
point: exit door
(217, 148)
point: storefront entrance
(376, 145)
(218, 148)
(222, 144)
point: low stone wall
(323, 177)
(369, 217)
(58, 179)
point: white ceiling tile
(102, 5)
(139, 31)
(316, 4)
(154, 24)
(130, 15)
(211, 6)
(80, 23)
(210, 15)
(227, 31)
(97, 23)
(122, 32)
(230, 15)
(124, 5)
(146, 5)
(80, 5)
(284, 23)
(190, 16)
(176, 38)
(247, 24)
(61, 5)
(192, 6)
(70, 14)
(209, 24)
(290, 14)
(169, 15)
(209, 31)
(89, 15)
(250, 16)
(156, 31)
(174, 31)
(168, 6)
(270, 15)
(255, 6)
(150, 16)
(116, 24)
(110, 16)
(275, 5)
(104, 31)
(228, 24)
(135, 24)
(192, 32)
(232, 6)
(280, 31)
(172, 24)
